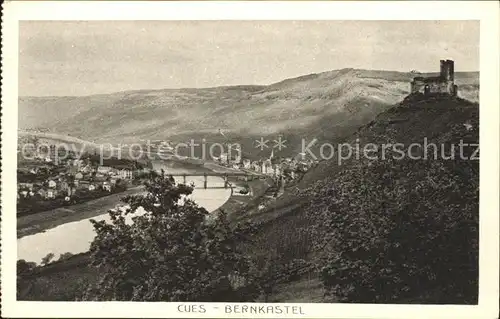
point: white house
(125, 173)
(26, 185)
(77, 162)
(263, 168)
(247, 163)
(223, 157)
(276, 170)
(86, 169)
(256, 166)
(106, 186)
(104, 169)
(267, 167)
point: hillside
(326, 104)
(393, 229)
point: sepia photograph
(250, 167)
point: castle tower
(442, 84)
(447, 70)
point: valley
(337, 215)
(327, 105)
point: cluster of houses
(73, 176)
(274, 167)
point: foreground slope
(399, 229)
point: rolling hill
(329, 104)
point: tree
(399, 230)
(23, 270)
(47, 259)
(175, 251)
(65, 256)
(23, 267)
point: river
(75, 237)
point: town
(287, 169)
(283, 170)
(46, 181)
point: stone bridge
(205, 176)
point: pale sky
(92, 57)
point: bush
(394, 229)
(23, 270)
(47, 259)
(171, 253)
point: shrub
(173, 252)
(392, 229)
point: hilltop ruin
(442, 84)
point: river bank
(68, 230)
(62, 279)
(40, 222)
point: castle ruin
(442, 84)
